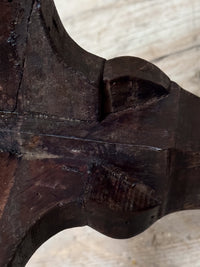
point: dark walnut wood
(84, 141)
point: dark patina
(84, 141)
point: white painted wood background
(168, 34)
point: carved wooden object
(84, 141)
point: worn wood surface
(173, 241)
(166, 33)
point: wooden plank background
(166, 33)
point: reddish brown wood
(84, 141)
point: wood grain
(172, 241)
(166, 33)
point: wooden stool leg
(84, 141)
